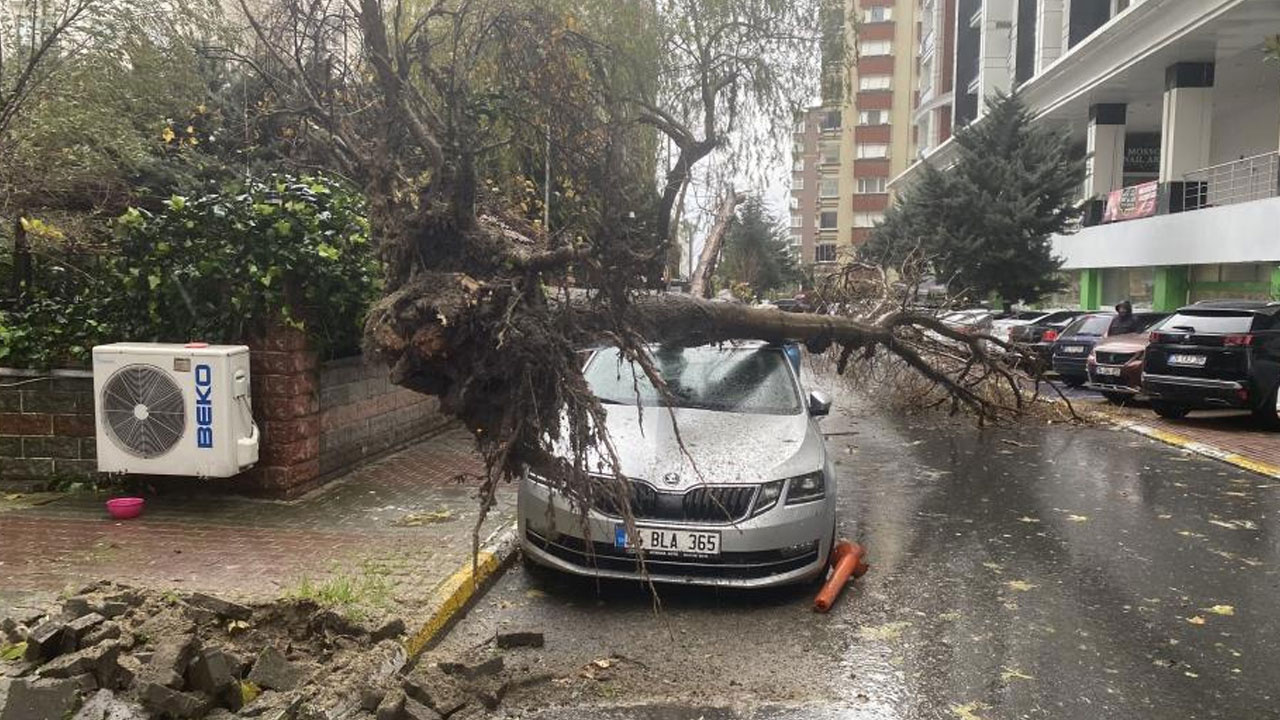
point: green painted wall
(1275, 283)
(1090, 289)
(1171, 288)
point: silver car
(749, 501)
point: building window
(879, 14)
(871, 185)
(824, 252)
(829, 188)
(874, 82)
(827, 220)
(873, 117)
(797, 221)
(797, 183)
(875, 48)
(795, 202)
(831, 153)
(866, 220)
(796, 240)
(797, 165)
(872, 150)
(831, 120)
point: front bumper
(1071, 366)
(786, 544)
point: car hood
(1131, 342)
(723, 447)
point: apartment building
(1176, 110)
(846, 150)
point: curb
(1200, 448)
(464, 585)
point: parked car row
(1221, 354)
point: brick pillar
(286, 406)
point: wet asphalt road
(1037, 572)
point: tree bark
(700, 282)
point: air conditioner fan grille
(145, 412)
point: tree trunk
(700, 283)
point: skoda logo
(671, 479)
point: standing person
(1125, 322)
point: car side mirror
(819, 403)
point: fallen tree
(483, 306)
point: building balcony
(1241, 232)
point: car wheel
(1170, 412)
(1269, 412)
(1072, 381)
(1116, 398)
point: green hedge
(217, 268)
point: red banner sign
(1135, 201)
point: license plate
(1073, 349)
(1113, 371)
(664, 541)
(1188, 360)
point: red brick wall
(316, 420)
(46, 430)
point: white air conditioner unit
(168, 409)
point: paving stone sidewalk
(1229, 432)
(385, 536)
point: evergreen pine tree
(986, 222)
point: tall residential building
(847, 149)
(1176, 110)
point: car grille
(742, 565)
(704, 504)
(1115, 358)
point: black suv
(1216, 354)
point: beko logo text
(204, 406)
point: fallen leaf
(1197, 620)
(1012, 674)
(1078, 518)
(534, 593)
(1020, 585)
(1221, 610)
(1190, 674)
(1028, 519)
(968, 711)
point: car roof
(1261, 307)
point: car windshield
(1095, 325)
(1059, 317)
(1027, 315)
(740, 380)
(1210, 323)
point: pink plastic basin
(125, 508)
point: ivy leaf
(177, 202)
(153, 281)
(327, 251)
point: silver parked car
(748, 502)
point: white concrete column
(994, 50)
(1105, 149)
(1049, 33)
(1187, 125)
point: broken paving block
(76, 606)
(414, 710)
(169, 662)
(29, 698)
(392, 706)
(45, 641)
(273, 671)
(169, 703)
(209, 672)
(220, 607)
(521, 638)
(109, 630)
(81, 661)
(80, 627)
(492, 666)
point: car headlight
(768, 496)
(805, 488)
